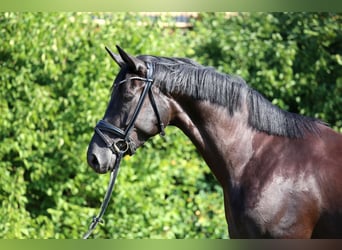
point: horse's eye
(127, 97)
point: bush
(55, 84)
(294, 59)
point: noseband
(125, 142)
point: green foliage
(54, 85)
(293, 59)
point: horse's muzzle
(100, 159)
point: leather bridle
(125, 143)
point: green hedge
(54, 85)
(294, 59)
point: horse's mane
(186, 77)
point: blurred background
(55, 80)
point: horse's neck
(224, 141)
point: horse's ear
(116, 58)
(134, 63)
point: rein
(96, 220)
(125, 143)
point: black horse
(281, 173)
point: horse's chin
(103, 170)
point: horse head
(136, 112)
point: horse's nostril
(93, 161)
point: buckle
(121, 146)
